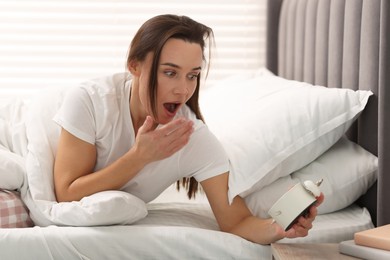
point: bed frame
(342, 44)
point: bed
(338, 44)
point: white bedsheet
(170, 231)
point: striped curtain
(62, 42)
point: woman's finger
(147, 125)
(174, 126)
(320, 199)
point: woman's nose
(181, 88)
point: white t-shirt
(98, 112)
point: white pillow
(270, 126)
(13, 143)
(348, 172)
(102, 208)
(12, 170)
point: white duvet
(170, 231)
(28, 138)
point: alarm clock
(295, 203)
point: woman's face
(179, 66)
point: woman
(141, 133)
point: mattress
(172, 230)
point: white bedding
(170, 231)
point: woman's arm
(237, 219)
(75, 159)
(74, 163)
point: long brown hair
(151, 37)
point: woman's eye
(193, 76)
(170, 73)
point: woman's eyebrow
(177, 66)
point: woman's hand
(154, 144)
(304, 223)
(237, 219)
(75, 159)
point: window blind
(63, 42)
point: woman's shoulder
(99, 93)
(107, 85)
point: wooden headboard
(342, 44)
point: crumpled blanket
(28, 142)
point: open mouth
(171, 107)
